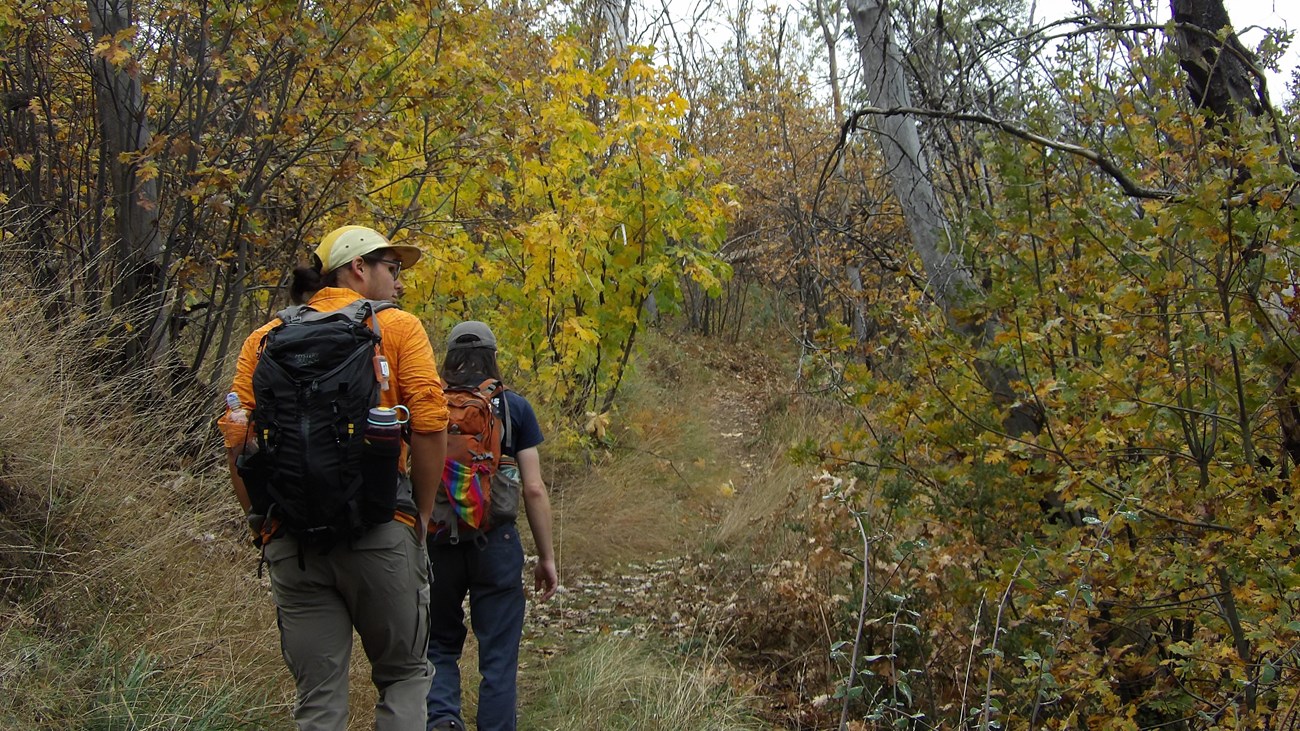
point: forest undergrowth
(130, 599)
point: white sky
(1248, 17)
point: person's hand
(545, 579)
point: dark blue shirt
(525, 432)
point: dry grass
(612, 684)
(675, 485)
(650, 494)
(773, 485)
(129, 598)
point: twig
(970, 662)
(657, 456)
(992, 651)
(862, 615)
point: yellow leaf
(596, 424)
(995, 456)
(676, 105)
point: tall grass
(614, 684)
(130, 596)
(129, 593)
(647, 493)
(689, 471)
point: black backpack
(315, 382)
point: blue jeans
(490, 570)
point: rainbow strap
(464, 485)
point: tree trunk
(861, 329)
(948, 281)
(829, 36)
(1221, 75)
(125, 128)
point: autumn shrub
(1129, 561)
(560, 239)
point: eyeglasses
(395, 266)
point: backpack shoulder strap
(508, 438)
(490, 389)
(364, 309)
(358, 310)
(293, 313)
(290, 314)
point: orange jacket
(414, 382)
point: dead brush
(788, 565)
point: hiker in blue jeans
(488, 565)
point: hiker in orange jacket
(376, 583)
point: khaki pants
(378, 584)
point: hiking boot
(449, 724)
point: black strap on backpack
(508, 432)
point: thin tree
(948, 280)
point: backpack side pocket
(507, 488)
(253, 470)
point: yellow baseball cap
(342, 245)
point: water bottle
(236, 409)
(246, 463)
(237, 415)
(382, 448)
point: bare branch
(1130, 186)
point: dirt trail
(676, 597)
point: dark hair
(470, 366)
(307, 280)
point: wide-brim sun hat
(342, 245)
